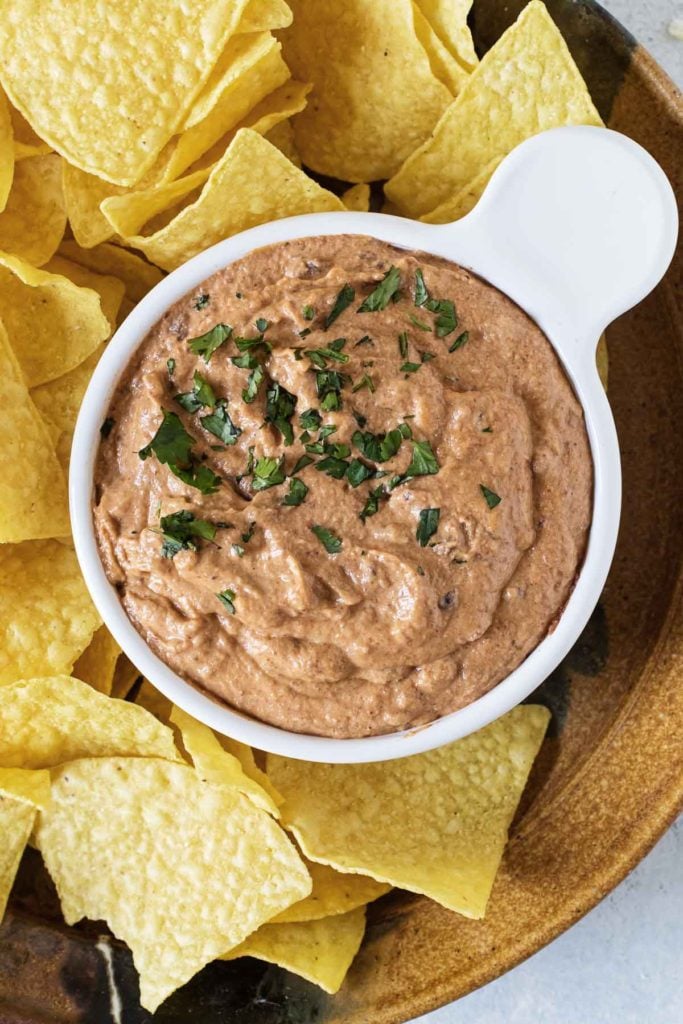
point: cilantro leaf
(329, 384)
(201, 396)
(206, 344)
(420, 324)
(382, 295)
(319, 356)
(248, 344)
(365, 340)
(492, 499)
(461, 340)
(410, 367)
(107, 427)
(427, 525)
(248, 533)
(342, 302)
(365, 382)
(254, 381)
(421, 293)
(447, 319)
(358, 472)
(378, 447)
(310, 420)
(334, 467)
(202, 301)
(297, 492)
(172, 446)
(180, 530)
(227, 599)
(308, 313)
(238, 550)
(403, 344)
(220, 425)
(280, 407)
(328, 539)
(268, 472)
(423, 462)
(170, 366)
(301, 463)
(371, 507)
(262, 325)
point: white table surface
(623, 963)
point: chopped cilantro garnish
(461, 340)
(315, 448)
(328, 539)
(220, 425)
(428, 525)
(262, 325)
(170, 366)
(447, 319)
(329, 384)
(308, 313)
(381, 296)
(238, 550)
(426, 357)
(301, 463)
(250, 461)
(403, 344)
(172, 446)
(326, 431)
(254, 382)
(420, 571)
(298, 354)
(334, 467)
(342, 302)
(379, 447)
(280, 406)
(421, 293)
(364, 382)
(206, 344)
(297, 492)
(227, 599)
(248, 361)
(180, 530)
(410, 367)
(305, 437)
(202, 301)
(359, 418)
(487, 430)
(268, 472)
(420, 324)
(202, 395)
(107, 427)
(365, 340)
(423, 462)
(371, 506)
(248, 533)
(249, 344)
(491, 498)
(319, 356)
(358, 472)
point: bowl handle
(577, 225)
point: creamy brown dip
(369, 624)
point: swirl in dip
(342, 487)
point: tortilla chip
(282, 137)
(180, 869)
(448, 18)
(129, 212)
(6, 158)
(109, 289)
(491, 116)
(357, 198)
(49, 721)
(52, 324)
(16, 825)
(234, 199)
(25, 784)
(33, 221)
(260, 15)
(464, 201)
(375, 96)
(454, 805)
(442, 62)
(333, 893)
(97, 664)
(216, 765)
(245, 756)
(46, 616)
(320, 951)
(152, 700)
(255, 70)
(140, 67)
(83, 194)
(138, 276)
(126, 676)
(33, 500)
(59, 402)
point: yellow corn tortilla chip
(59, 401)
(46, 616)
(33, 221)
(453, 805)
(109, 289)
(320, 951)
(490, 117)
(51, 720)
(333, 893)
(214, 764)
(282, 137)
(260, 15)
(126, 676)
(254, 73)
(245, 756)
(16, 824)
(357, 198)
(52, 324)
(442, 62)
(140, 67)
(128, 213)
(24, 134)
(33, 499)
(26, 784)
(235, 198)
(83, 194)
(180, 869)
(138, 276)
(448, 18)
(152, 700)
(465, 200)
(22, 151)
(6, 151)
(375, 97)
(97, 664)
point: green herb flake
(328, 539)
(403, 344)
(248, 533)
(490, 497)
(206, 344)
(268, 472)
(420, 324)
(342, 302)
(333, 467)
(298, 354)
(227, 599)
(365, 340)
(410, 367)
(252, 344)
(487, 430)
(461, 340)
(170, 366)
(202, 395)
(380, 297)
(172, 446)
(262, 325)
(420, 571)
(308, 313)
(254, 381)
(301, 463)
(427, 526)
(357, 472)
(107, 427)
(361, 420)
(237, 550)
(220, 424)
(378, 447)
(371, 506)
(180, 531)
(365, 382)
(326, 431)
(280, 407)
(421, 293)
(202, 301)
(297, 492)
(329, 384)
(423, 462)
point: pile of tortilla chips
(132, 136)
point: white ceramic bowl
(577, 225)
